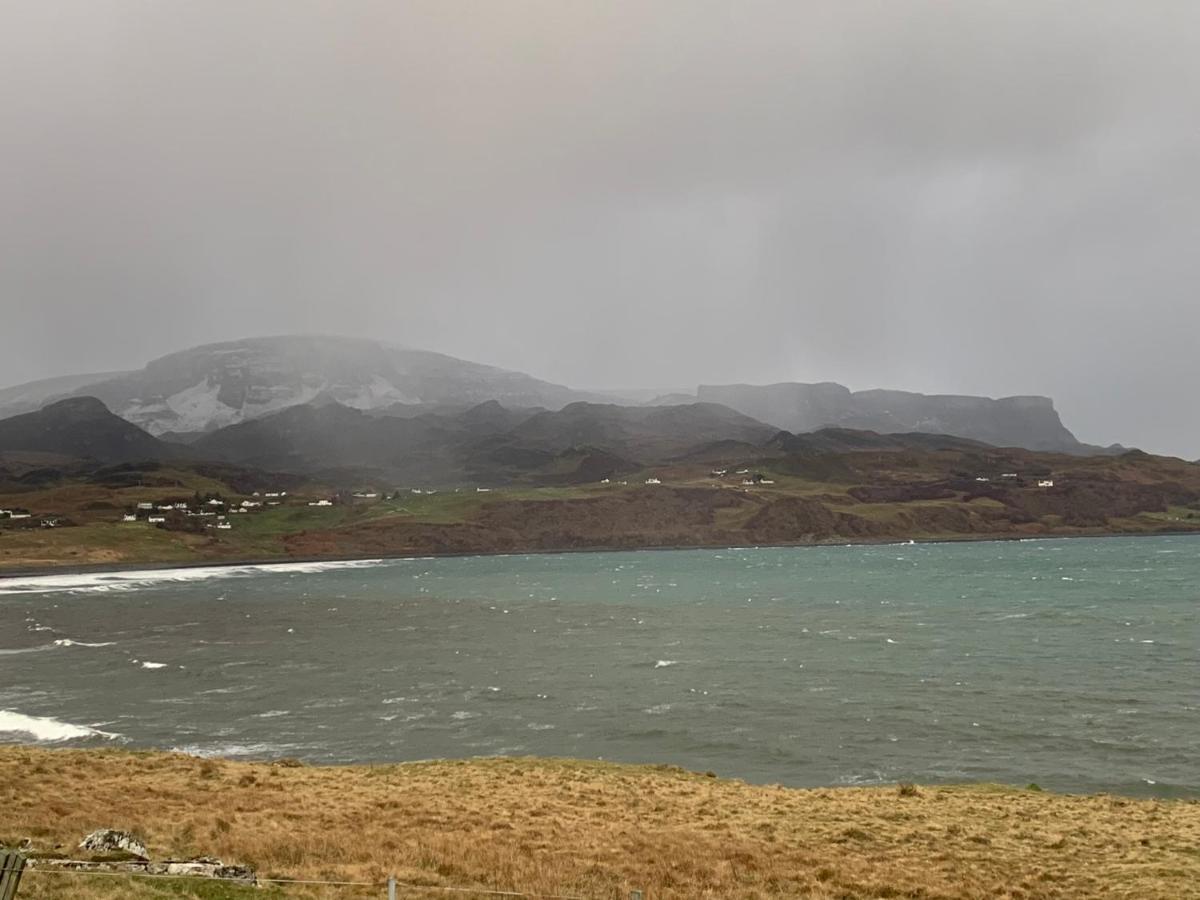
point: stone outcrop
(107, 840)
(1029, 422)
(200, 867)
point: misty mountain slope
(647, 434)
(33, 395)
(82, 427)
(336, 441)
(310, 438)
(849, 440)
(486, 443)
(1029, 422)
(215, 385)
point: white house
(215, 502)
(129, 517)
(605, 481)
(1045, 482)
(981, 478)
(1008, 474)
(747, 481)
(15, 514)
(483, 490)
(271, 494)
(320, 503)
(653, 481)
(165, 507)
(250, 504)
(145, 506)
(156, 520)
(766, 481)
(224, 526)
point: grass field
(590, 829)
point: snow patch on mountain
(212, 386)
(200, 408)
(376, 393)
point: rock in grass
(108, 840)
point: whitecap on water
(134, 579)
(663, 663)
(61, 642)
(13, 651)
(46, 729)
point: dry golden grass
(596, 830)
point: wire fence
(391, 886)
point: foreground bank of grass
(591, 829)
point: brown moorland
(589, 829)
(787, 499)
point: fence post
(11, 865)
(391, 887)
(635, 895)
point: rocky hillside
(1029, 422)
(82, 427)
(216, 385)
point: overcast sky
(971, 197)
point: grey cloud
(976, 197)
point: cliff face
(1029, 422)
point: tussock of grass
(594, 829)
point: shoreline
(1165, 793)
(163, 565)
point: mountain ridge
(203, 388)
(85, 428)
(1028, 421)
(188, 394)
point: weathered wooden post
(635, 895)
(12, 864)
(391, 887)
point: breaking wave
(45, 729)
(135, 579)
(61, 642)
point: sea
(1072, 664)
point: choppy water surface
(1069, 663)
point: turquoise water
(1069, 663)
